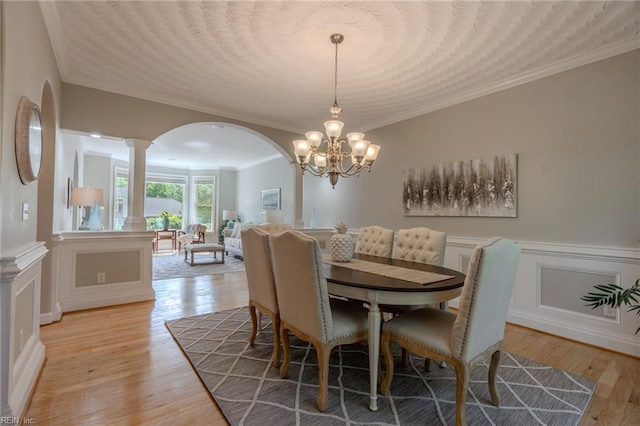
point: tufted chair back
(375, 241)
(274, 228)
(421, 244)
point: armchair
(194, 234)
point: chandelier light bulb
(359, 147)
(355, 136)
(314, 138)
(333, 128)
(372, 152)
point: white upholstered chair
(305, 307)
(195, 234)
(262, 288)
(470, 336)
(420, 244)
(375, 241)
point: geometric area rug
(250, 392)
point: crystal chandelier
(330, 162)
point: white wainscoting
(526, 309)
(82, 256)
(21, 351)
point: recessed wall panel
(563, 288)
(117, 267)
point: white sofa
(233, 243)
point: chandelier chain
(335, 80)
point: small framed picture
(270, 199)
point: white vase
(341, 245)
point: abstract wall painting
(482, 187)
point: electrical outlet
(102, 277)
(609, 311)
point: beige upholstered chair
(262, 288)
(274, 228)
(421, 244)
(375, 241)
(195, 234)
(474, 333)
(305, 307)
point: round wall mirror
(28, 141)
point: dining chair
(306, 310)
(422, 245)
(375, 241)
(262, 289)
(470, 336)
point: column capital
(137, 143)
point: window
(120, 197)
(204, 196)
(164, 193)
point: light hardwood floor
(120, 365)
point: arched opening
(46, 195)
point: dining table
(385, 281)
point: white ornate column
(135, 220)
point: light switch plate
(25, 212)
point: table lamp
(229, 216)
(89, 197)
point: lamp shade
(85, 196)
(229, 215)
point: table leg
(374, 353)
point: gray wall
(576, 134)
(28, 63)
(277, 173)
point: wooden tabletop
(341, 275)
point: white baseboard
(99, 302)
(613, 341)
(51, 317)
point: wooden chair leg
(405, 358)
(385, 347)
(427, 364)
(323, 354)
(275, 326)
(493, 372)
(284, 338)
(462, 383)
(254, 325)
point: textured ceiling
(272, 62)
